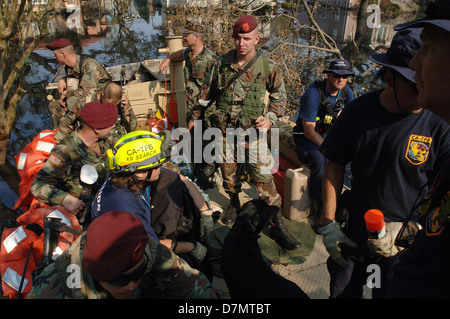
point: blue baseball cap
(437, 13)
(404, 47)
(339, 66)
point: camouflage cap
(192, 27)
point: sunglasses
(125, 279)
(337, 76)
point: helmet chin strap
(144, 182)
(135, 179)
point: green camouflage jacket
(60, 175)
(92, 76)
(268, 79)
(123, 125)
(167, 276)
(195, 71)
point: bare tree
(300, 64)
(22, 27)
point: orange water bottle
(375, 223)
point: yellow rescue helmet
(139, 150)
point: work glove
(206, 223)
(333, 238)
(385, 246)
(199, 252)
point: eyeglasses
(125, 279)
(337, 76)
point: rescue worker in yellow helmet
(169, 205)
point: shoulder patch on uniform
(54, 160)
(434, 226)
(165, 253)
(418, 149)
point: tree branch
(332, 48)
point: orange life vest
(28, 162)
(28, 240)
(16, 245)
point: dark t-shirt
(423, 269)
(391, 155)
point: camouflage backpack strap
(77, 290)
(72, 282)
(235, 77)
(216, 116)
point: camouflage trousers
(57, 111)
(68, 123)
(256, 159)
(62, 118)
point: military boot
(229, 216)
(279, 232)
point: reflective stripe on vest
(13, 256)
(29, 161)
(17, 241)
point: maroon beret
(99, 115)
(244, 24)
(115, 242)
(59, 44)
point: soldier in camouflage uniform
(84, 75)
(242, 105)
(119, 263)
(126, 120)
(58, 182)
(198, 63)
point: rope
(165, 87)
